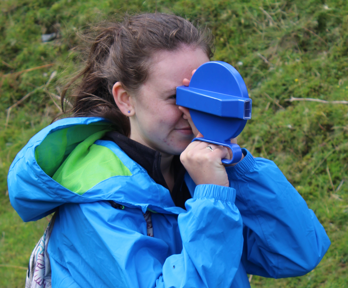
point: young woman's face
(157, 121)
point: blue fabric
(258, 225)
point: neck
(167, 170)
(166, 162)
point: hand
(204, 164)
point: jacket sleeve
(282, 236)
(112, 249)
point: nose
(185, 112)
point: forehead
(169, 68)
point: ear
(123, 99)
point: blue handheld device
(219, 104)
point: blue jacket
(259, 225)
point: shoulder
(88, 166)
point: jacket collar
(150, 160)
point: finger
(234, 140)
(204, 145)
(227, 153)
(222, 151)
(186, 82)
(201, 146)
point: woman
(130, 212)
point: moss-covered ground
(283, 49)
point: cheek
(172, 115)
(162, 120)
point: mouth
(185, 130)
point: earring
(128, 111)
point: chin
(173, 150)
(174, 147)
(179, 149)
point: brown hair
(121, 52)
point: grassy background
(282, 49)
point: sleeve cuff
(243, 167)
(224, 194)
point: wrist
(217, 182)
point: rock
(48, 37)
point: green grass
(282, 49)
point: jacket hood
(39, 178)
